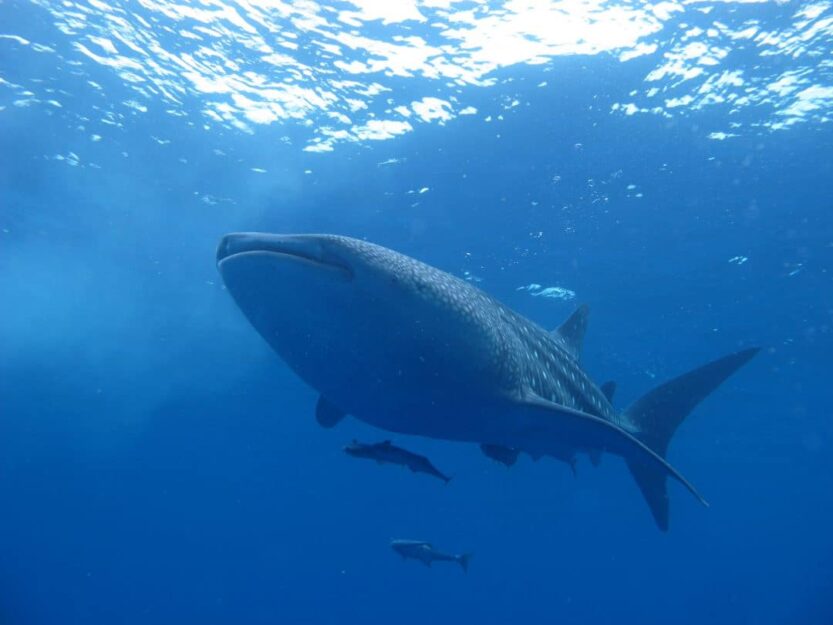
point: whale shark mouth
(294, 248)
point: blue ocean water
(669, 164)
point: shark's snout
(307, 249)
(227, 245)
(302, 246)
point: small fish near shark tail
(463, 560)
(658, 414)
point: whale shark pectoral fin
(547, 420)
(327, 414)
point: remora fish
(498, 453)
(387, 452)
(409, 348)
(508, 456)
(425, 553)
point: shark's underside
(412, 349)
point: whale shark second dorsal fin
(570, 334)
(609, 388)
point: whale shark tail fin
(657, 415)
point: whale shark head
(348, 315)
(257, 267)
(297, 290)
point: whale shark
(411, 349)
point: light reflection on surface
(340, 71)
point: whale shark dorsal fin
(327, 414)
(571, 332)
(609, 388)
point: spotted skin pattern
(412, 349)
(526, 355)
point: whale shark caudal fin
(327, 414)
(570, 334)
(657, 415)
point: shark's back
(515, 353)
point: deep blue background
(158, 464)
